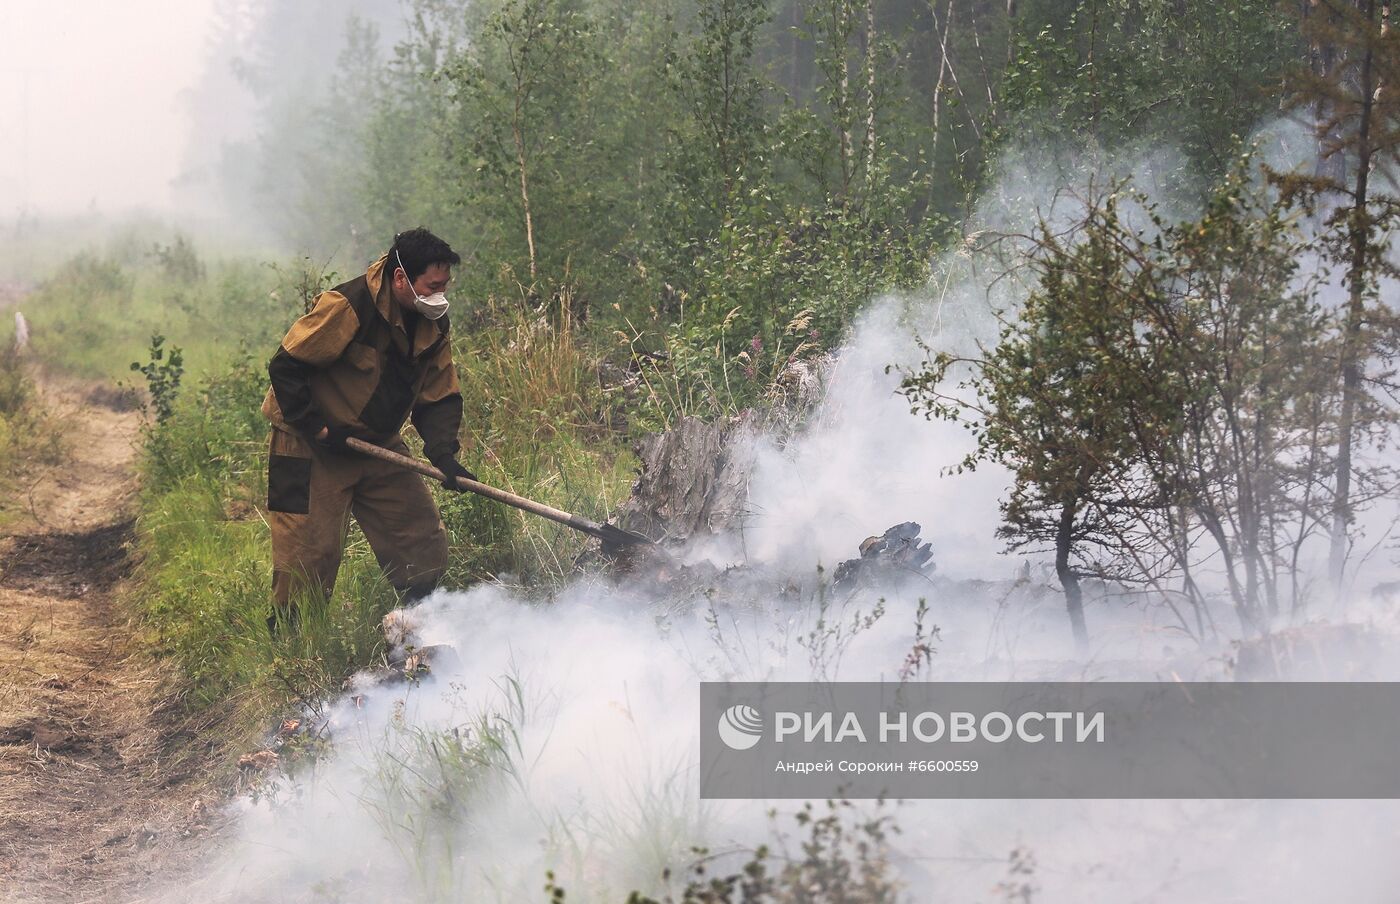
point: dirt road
(90, 802)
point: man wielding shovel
(371, 353)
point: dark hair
(418, 249)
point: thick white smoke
(591, 708)
(866, 463)
(564, 736)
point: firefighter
(370, 354)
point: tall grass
(28, 432)
(537, 423)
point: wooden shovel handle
(481, 489)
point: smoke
(193, 113)
(866, 462)
(261, 110)
(563, 736)
(94, 121)
(564, 739)
(208, 115)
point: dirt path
(89, 801)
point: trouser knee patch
(289, 484)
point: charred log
(894, 555)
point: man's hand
(335, 437)
(451, 469)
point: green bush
(217, 435)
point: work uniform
(357, 360)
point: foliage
(429, 784)
(1050, 396)
(179, 261)
(536, 423)
(720, 135)
(705, 179)
(1195, 76)
(624, 163)
(1165, 400)
(16, 388)
(162, 376)
(844, 856)
(507, 84)
(631, 161)
(97, 312)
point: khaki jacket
(350, 362)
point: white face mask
(431, 307)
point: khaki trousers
(311, 494)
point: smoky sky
(95, 102)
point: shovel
(614, 538)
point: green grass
(204, 591)
(534, 423)
(202, 587)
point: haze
(95, 97)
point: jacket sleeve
(314, 342)
(437, 412)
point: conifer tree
(1356, 118)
